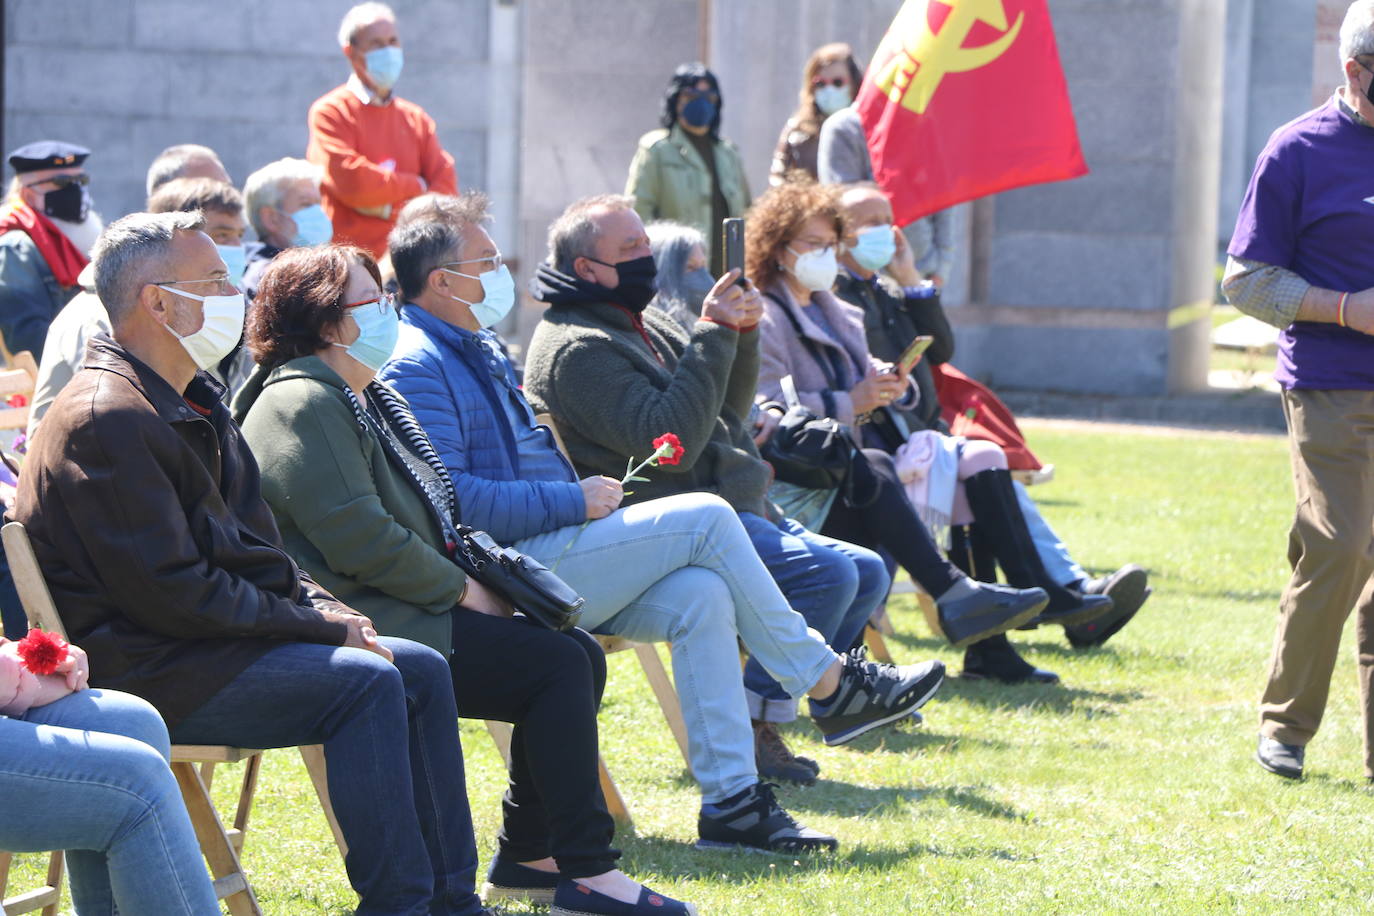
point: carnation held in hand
(667, 450)
(41, 652)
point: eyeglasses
(838, 82)
(63, 181)
(385, 303)
(493, 263)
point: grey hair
(132, 252)
(267, 186)
(360, 17)
(428, 230)
(672, 245)
(1357, 30)
(575, 233)
(173, 159)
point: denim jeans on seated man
(370, 715)
(88, 773)
(682, 569)
(835, 585)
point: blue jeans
(682, 570)
(88, 774)
(390, 736)
(1054, 556)
(836, 586)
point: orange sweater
(373, 157)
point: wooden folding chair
(43, 898)
(220, 845)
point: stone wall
(129, 78)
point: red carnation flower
(675, 455)
(41, 652)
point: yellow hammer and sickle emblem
(917, 65)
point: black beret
(47, 154)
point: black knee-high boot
(994, 658)
(999, 524)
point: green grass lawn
(1130, 788)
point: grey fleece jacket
(590, 367)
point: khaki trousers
(1331, 549)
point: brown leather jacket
(145, 513)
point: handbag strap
(815, 351)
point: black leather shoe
(1280, 759)
(983, 609)
(1068, 606)
(996, 659)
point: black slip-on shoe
(1280, 759)
(986, 610)
(513, 881)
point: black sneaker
(1129, 588)
(872, 695)
(513, 881)
(754, 821)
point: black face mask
(71, 203)
(638, 282)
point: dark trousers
(889, 523)
(548, 685)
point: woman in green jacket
(685, 171)
(363, 502)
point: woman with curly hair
(685, 171)
(792, 235)
(364, 501)
(830, 79)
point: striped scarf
(438, 489)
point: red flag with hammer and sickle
(966, 98)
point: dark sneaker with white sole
(754, 821)
(513, 881)
(872, 695)
(576, 899)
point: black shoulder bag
(530, 586)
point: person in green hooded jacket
(362, 499)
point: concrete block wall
(129, 78)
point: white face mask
(816, 269)
(220, 331)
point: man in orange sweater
(377, 151)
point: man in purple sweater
(1302, 258)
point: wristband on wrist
(1340, 310)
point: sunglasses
(63, 181)
(838, 82)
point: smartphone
(732, 243)
(912, 354)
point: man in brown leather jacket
(143, 505)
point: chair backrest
(28, 580)
(546, 419)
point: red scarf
(64, 259)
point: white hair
(267, 186)
(173, 159)
(360, 17)
(1357, 30)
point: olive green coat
(346, 512)
(669, 180)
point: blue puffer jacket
(458, 384)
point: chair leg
(231, 884)
(877, 644)
(57, 861)
(931, 614)
(667, 696)
(615, 802)
(501, 736)
(313, 755)
(251, 768)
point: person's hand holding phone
(738, 306)
(878, 389)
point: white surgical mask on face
(498, 294)
(219, 332)
(816, 270)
